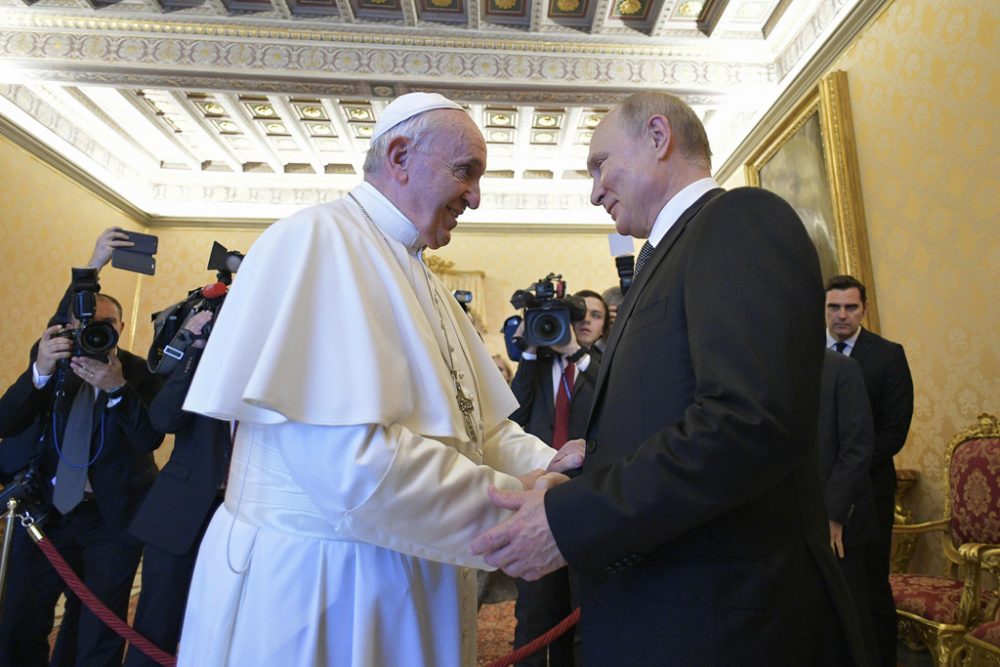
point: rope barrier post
(8, 538)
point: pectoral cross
(465, 405)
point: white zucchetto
(407, 106)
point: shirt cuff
(37, 378)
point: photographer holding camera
(173, 518)
(83, 400)
(554, 386)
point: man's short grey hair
(685, 125)
(413, 129)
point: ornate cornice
(575, 43)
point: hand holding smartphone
(138, 257)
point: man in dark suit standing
(890, 393)
(554, 393)
(846, 441)
(697, 525)
(90, 529)
(177, 510)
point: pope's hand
(528, 479)
(569, 457)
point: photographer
(177, 510)
(555, 390)
(92, 455)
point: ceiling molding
(38, 149)
(803, 82)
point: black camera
(170, 339)
(464, 298)
(90, 339)
(548, 312)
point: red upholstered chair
(936, 611)
(981, 645)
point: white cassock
(354, 489)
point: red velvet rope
(538, 643)
(99, 609)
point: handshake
(569, 457)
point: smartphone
(144, 243)
(139, 262)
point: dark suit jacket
(890, 391)
(124, 470)
(846, 441)
(184, 494)
(532, 386)
(697, 526)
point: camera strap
(173, 352)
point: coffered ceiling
(187, 111)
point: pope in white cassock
(371, 421)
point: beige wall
(925, 88)
(49, 224)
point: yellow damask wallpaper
(925, 88)
(49, 225)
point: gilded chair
(936, 611)
(981, 644)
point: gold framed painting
(810, 160)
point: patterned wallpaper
(925, 86)
(49, 224)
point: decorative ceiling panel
(252, 108)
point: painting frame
(828, 105)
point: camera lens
(547, 328)
(97, 338)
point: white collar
(387, 217)
(851, 342)
(679, 203)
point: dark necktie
(644, 254)
(840, 346)
(71, 473)
(560, 425)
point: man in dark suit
(554, 393)
(179, 506)
(890, 393)
(697, 525)
(90, 532)
(846, 441)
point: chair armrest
(976, 557)
(918, 528)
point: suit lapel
(628, 305)
(861, 346)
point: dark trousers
(853, 565)
(104, 557)
(541, 605)
(166, 580)
(877, 566)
